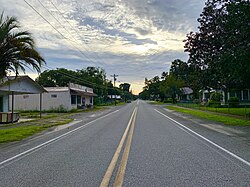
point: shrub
(168, 100)
(216, 96)
(59, 109)
(196, 101)
(214, 104)
(215, 100)
(233, 102)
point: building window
(79, 99)
(245, 95)
(91, 100)
(73, 99)
(25, 96)
(53, 96)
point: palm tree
(17, 48)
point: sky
(135, 39)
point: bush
(216, 96)
(214, 104)
(196, 101)
(59, 109)
(215, 100)
(168, 100)
(233, 102)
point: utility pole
(114, 76)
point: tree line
(219, 54)
(93, 77)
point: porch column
(12, 107)
(40, 105)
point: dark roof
(78, 91)
(186, 90)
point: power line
(68, 23)
(58, 31)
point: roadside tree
(17, 48)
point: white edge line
(209, 141)
(52, 140)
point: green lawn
(233, 111)
(213, 117)
(21, 132)
(156, 103)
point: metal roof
(17, 84)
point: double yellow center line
(121, 171)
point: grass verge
(227, 120)
(225, 110)
(21, 132)
(156, 103)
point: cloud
(135, 39)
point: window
(73, 99)
(245, 95)
(91, 100)
(53, 96)
(78, 99)
(25, 96)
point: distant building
(67, 98)
(242, 95)
(117, 97)
(186, 94)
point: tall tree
(125, 86)
(180, 69)
(221, 46)
(171, 86)
(17, 48)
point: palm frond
(17, 48)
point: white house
(68, 98)
(243, 95)
(10, 87)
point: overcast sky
(132, 38)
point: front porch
(10, 86)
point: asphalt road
(135, 145)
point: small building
(10, 87)
(57, 98)
(186, 94)
(243, 95)
(116, 97)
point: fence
(238, 109)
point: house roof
(74, 89)
(57, 89)
(186, 90)
(82, 92)
(20, 85)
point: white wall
(32, 101)
(88, 100)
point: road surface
(135, 145)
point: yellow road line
(121, 171)
(108, 174)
